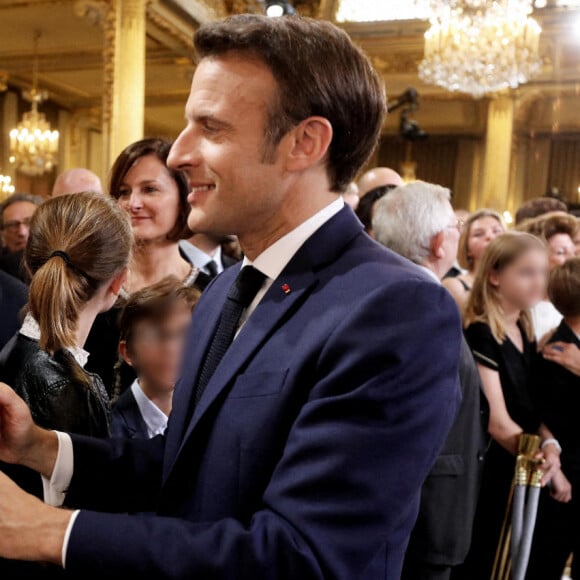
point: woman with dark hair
(155, 197)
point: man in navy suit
(303, 453)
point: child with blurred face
(154, 323)
(511, 279)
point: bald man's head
(378, 177)
(75, 181)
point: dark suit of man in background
(13, 296)
(302, 454)
(417, 221)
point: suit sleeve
(347, 486)
(116, 475)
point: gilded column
(498, 150)
(124, 70)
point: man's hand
(29, 529)
(21, 441)
(565, 354)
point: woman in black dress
(511, 279)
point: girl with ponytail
(77, 254)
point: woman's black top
(514, 368)
(56, 399)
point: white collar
(30, 329)
(155, 419)
(200, 258)
(276, 257)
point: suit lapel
(299, 277)
(268, 315)
(203, 326)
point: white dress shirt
(545, 318)
(270, 262)
(155, 419)
(200, 259)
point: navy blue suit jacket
(13, 296)
(305, 456)
(127, 420)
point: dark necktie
(240, 296)
(211, 267)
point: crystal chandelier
(33, 145)
(480, 46)
(6, 187)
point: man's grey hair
(406, 219)
(16, 197)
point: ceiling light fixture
(277, 8)
(33, 144)
(480, 47)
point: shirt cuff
(67, 534)
(56, 487)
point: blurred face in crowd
(151, 197)
(481, 232)
(155, 349)
(560, 249)
(523, 282)
(236, 188)
(16, 225)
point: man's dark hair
(539, 206)
(319, 72)
(16, 198)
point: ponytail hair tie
(69, 264)
(61, 254)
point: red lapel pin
(286, 289)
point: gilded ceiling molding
(170, 25)
(327, 9)
(95, 11)
(202, 11)
(109, 25)
(33, 3)
(243, 7)
(397, 63)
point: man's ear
(311, 141)
(124, 352)
(437, 249)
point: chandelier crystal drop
(480, 46)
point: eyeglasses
(13, 225)
(458, 225)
